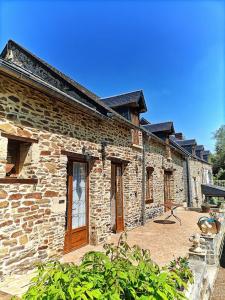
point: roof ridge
(118, 95)
(161, 123)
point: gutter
(189, 185)
(27, 77)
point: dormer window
(135, 132)
(130, 106)
(168, 150)
(193, 150)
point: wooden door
(117, 218)
(77, 206)
(168, 188)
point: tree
(218, 159)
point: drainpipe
(189, 191)
(143, 181)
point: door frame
(167, 173)
(120, 165)
(69, 199)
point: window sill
(19, 180)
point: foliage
(218, 159)
(213, 215)
(122, 272)
(181, 268)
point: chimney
(179, 136)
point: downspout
(189, 191)
(143, 182)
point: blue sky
(172, 50)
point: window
(210, 177)
(168, 186)
(16, 154)
(135, 132)
(168, 150)
(194, 188)
(206, 178)
(149, 185)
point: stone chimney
(179, 136)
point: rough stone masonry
(33, 206)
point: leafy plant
(218, 158)
(181, 268)
(214, 215)
(122, 272)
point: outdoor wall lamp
(86, 153)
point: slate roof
(12, 43)
(206, 152)
(176, 143)
(199, 148)
(173, 142)
(27, 62)
(187, 142)
(136, 98)
(213, 190)
(143, 121)
(160, 127)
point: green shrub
(122, 272)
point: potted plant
(205, 207)
(216, 219)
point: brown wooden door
(77, 206)
(168, 188)
(117, 198)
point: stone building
(199, 168)
(75, 168)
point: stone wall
(197, 171)
(205, 265)
(32, 216)
(157, 158)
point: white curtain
(79, 195)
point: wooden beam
(19, 138)
(118, 160)
(78, 156)
(9, 180)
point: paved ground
(5, 296)
(15, 285)
(165, 241)
(219, 287)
